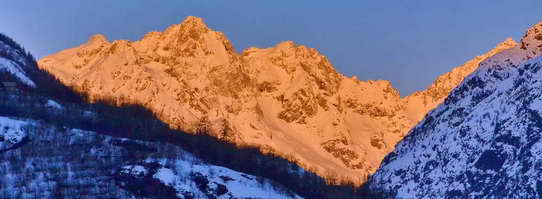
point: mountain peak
(286, 44)
(532, 40)
(507, 43)
(194, 22)
(191, 26)
(152, 34)
(98, 38)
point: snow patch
(11, 132)
(136, 170)
(190, 176)
(165, 175)
(53, 104)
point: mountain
(484, 141)
(287, 100)
(56, 148)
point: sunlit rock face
(287, 99)
(483, 141)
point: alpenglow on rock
(287, 100)
(484, 141)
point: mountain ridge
(288, 99)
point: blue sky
(409, 42)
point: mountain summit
(287, 100)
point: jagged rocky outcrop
(288, 99)
(484, 141)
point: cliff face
(287, 99)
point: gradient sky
(409, 42)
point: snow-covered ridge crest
(288, 99)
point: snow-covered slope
(484, 141)
(12, 61)
(199, 181)
(287, 100)
(13, 68)
(67, 163)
